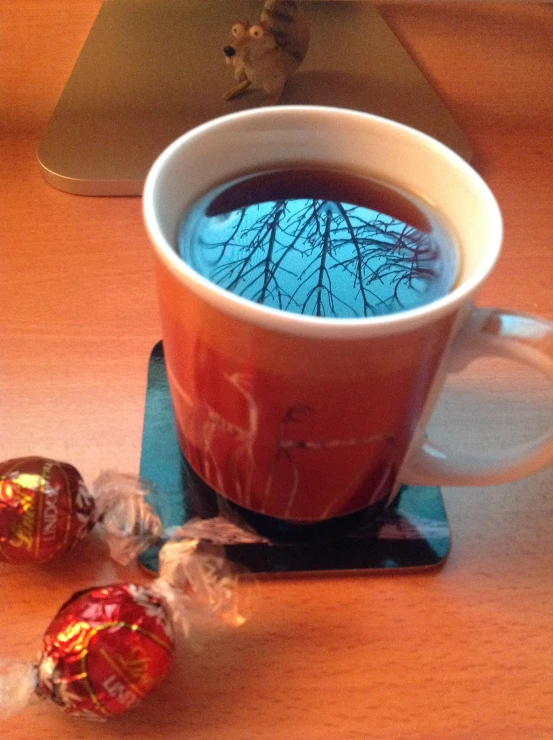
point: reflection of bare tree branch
(268, 275)
(289, 257)
(235, 232)
(355, 242)
(297, 236)
(319, 287)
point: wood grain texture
(466, 652)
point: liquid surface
(320, 243)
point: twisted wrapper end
(17, 685)
(203, 578)
(130, 523)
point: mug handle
(490, 332)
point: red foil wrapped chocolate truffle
(44, 509)
(106, 649)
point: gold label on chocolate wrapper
(132, 667)
(22, 535)
(40, 518)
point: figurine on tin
(266, 53)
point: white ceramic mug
(306, 418)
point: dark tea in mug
(320, 242)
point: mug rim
(302, 324)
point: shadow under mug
(307, 419)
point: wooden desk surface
(464, 652)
